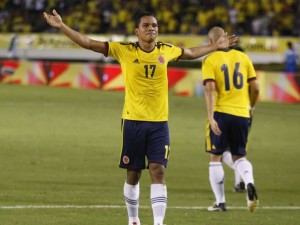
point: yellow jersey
(231, 70)
(145, 78)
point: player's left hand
(233, 40)
(227, 41)
(251, 118)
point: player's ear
(136, 31)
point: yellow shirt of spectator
(231, 70)
(145, 79)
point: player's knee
(215, 158)
(157, 173)
(133, 177)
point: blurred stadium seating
(243, 17)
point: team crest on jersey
(161, 59)
(125, 159)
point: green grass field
(59, 151)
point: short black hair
(139, 14)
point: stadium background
(59, 147)
(32, 52)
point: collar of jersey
(137, 43)
(224, 49)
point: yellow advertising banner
(250, 44)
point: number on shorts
(167, 147)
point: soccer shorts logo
(125, 159)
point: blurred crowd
(242, 17)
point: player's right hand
(53, 20)
(215, 127)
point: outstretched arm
(196, 52)
(83, 41)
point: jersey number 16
(237, 77)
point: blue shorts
(144, 140)
(234, 135)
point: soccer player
(230, 87)
(239, 185)
(145, 113)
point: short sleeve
(115, 50)
(208, 72)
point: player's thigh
(239, 135)
(158, 143)
(215, 144)
(133, 149)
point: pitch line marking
(145, 207)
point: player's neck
(147, 46)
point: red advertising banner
(275, 86)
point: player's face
(148, 29)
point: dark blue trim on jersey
(106, 49)
(253, 78)
(208, 80)
(182, 51)
(145, 50)
(224, 49)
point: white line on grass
(120, 206)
